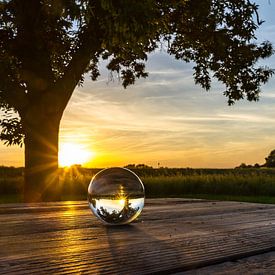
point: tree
(243, 165)
(46, 47)
(270, 160)
(138, 166)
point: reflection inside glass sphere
(116, 195)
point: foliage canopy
(47, 46)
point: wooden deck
(171, 235)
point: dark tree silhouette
(116, 216)
(46, 47)
(270, 160)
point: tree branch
(31, 47)
(14, 95)
(89, 46)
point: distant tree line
(269, 162)
(138, 166)
(244, 165)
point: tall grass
(245, 184)
(228, 184)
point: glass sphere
(116, 196)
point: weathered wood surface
(171, 235)
(254, 265)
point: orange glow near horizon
(72, 153)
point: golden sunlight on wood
(72, 153)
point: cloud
(176, 129)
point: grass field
(252, 185)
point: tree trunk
(41, 157)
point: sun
(121, 202)
(72, 153)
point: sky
(167, 120)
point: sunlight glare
(71, 153)
(121, 202)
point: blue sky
(167, 119)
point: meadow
(249, 184)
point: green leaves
(12, 131)
(219, 37)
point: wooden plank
(171, 235)
(259, 264)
